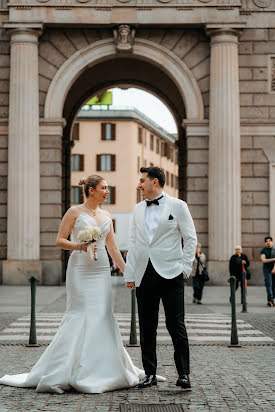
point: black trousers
(198, 285)
(153, 288)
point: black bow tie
(155, 201)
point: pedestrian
(199, 265)
(156, 266)
(238, 263)
(268, 259)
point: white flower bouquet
(90, 234)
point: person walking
(199, 265)
(156, 266)
(268, 259)
(238, 263)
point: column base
(218, 273)
(18, 272)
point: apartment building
(115, 144)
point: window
(151, 142)
(157, 145)
(75, 133)
(172, 180)
(138, 164)
(114, 224)
(76, 195)
(106, 163)
(151, 164)
(163, 149)
(145, 163)
(145, 136)
(172, 155)
(108, 131)
(138, 196)
(111, 199)
(167, 178)
(176, 182)
(77, 162)
(167, 149)
(140, 135)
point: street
(223, 379)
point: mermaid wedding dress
(87, 352)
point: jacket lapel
(141, 220)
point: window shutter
(113, 131)
(81, 162)
(113, 162)
(75, 131)
(98, 163)
(113, 195)
(80, 194)
(103, 132)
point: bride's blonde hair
(90, 181)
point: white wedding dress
(87, 352)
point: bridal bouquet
(90, 234)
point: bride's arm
(64, 231)
(113, 249)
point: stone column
(224, 188)
(23, 160)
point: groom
(156, 267)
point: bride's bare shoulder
(74, 211)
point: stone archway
(67, 91)
(142, 49)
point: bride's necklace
(93, 211)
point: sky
(148, 104)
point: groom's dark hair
(154, 173)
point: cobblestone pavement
(223, 379)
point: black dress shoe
(148, 381)
(184, 382)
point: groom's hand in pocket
(130, 285)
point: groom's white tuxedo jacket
(165, 248)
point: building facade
(212, 62)
(115, 144)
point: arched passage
(99, 66)
(149, 66)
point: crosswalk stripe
(202, 328)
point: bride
(87, 352)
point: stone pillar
(23, 160)
(224, 188)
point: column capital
(24, 33)
(223, 34)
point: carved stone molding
(124, 38)
(262, 3)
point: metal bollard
(32, 337)
(234, 332)
(244, 293)
(133, 333)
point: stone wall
(50, 204)
(4, 99)
(197, 186)
(256, 46)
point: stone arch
(144, 50)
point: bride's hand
(84, 246)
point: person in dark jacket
(238, 262)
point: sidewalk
(223, 379)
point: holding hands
(130, 285)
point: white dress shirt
(152, 216)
